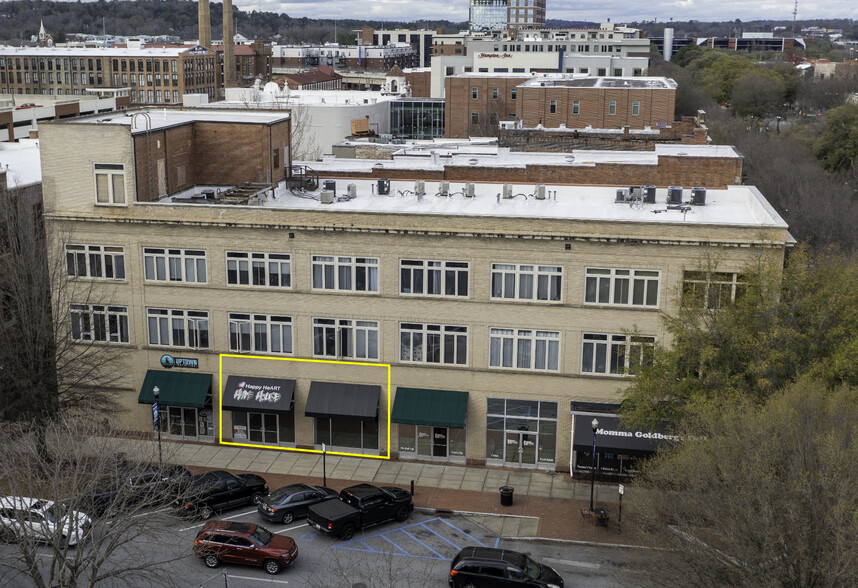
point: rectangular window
(712, 290)
(526, 282)
(433, 278)
(174, 265)
(95, 261)
(109, 183)
(576, 106)
(345, 273)
(617, 355)
(107, 324)
(258, 269)
(260, 333)
(636, 108)
(475, 118)
(474, 93)
(621, 287)
(178, 328)
(524, 349)
(513, 94)
(345, 338)
(494, 93)
(612, 107)
(424, 343)
(552, 107)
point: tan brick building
(494, 307)
(475, 103)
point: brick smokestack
(228, 49)
(204, 24)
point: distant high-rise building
(495, 15)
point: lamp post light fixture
(595, 424)
(157, 392)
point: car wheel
(287, 518)
(255, 498)
(272, 566)
(469, 585)
(402, 514)
(206, 513)
(211, 560)
(347, 533)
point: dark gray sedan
(290, 502)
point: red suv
(244, 543)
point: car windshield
(262, 536)
(531, 568)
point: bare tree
(755, 494)
(66, 538)
(55, 328)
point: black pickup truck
(359, 507)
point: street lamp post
(595, 424)
(157, 392)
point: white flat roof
(735, 205)
(162, 118)
(22, 162)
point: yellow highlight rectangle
(220, 404)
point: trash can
(506, 495)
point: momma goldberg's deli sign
(609, 436)
(258, 394)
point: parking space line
(384, 536)
(291, 528)
(577, 564)
(241, 514)
(449, 524)
(442, 537)
(143, 514)
(424, 545)
(497, 541)
(258, 579)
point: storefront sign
(258, 394)
(239, 432)
(611, 438)
(168, 361)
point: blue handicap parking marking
(431, 539)
(308, 537)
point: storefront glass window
(521, 432)
(428, 442)
(347, 433)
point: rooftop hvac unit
(698, 196)
(674, 195)
(649, 194)
(384, 186)
(469, 189)
(622, 195)
(540, 191)
(326, 196)
(444, 188)
(420, 187)
(351, 190)
(507, 190)
(208, 194)
(635, 193)
(330, 185)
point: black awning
(611, 437)
(258, 394)
(347, 401)
(175, 388)
(438, 408)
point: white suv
(42, 520)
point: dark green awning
(175, 388)
(437, 408)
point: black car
(359, 507)
(218, 490)
(290, 502)
(136, 485)
(485, 567)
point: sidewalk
(546, 505)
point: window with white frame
(617, 355)
(174, 265)
(711, 290)
(178, 328)
(260, 333)
(258, 269)
(636, 108)
(525, 349)
(621, 287)
(612, 107)
(424, 343)
(109, 183)
(345, 273)
(552, 107)
(526, 282)
(576, 107)
(355, 339)
(433, 278)
(95, 322)
(95, 261)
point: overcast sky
(589, 10)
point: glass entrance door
(263, 427)
(520, 449)
(439, 442)
(179, 421)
